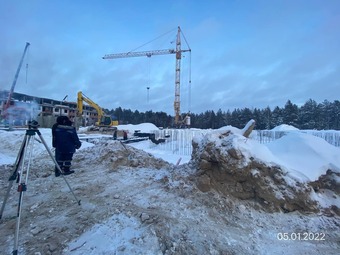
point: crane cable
(27, 58)
(149, 57)
(149, 80)
(189, 59)
(151, 41)
(189, 110)
(185, 40)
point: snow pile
(135, 203)
(284, 127)
(279, 175)
(306, 157)
(228, 128)
(11, 142)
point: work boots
(57, 172)
(66, 171)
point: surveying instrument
(21, 171)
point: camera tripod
(21, 171)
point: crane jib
(142, 53)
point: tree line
(311, 115)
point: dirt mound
(127, 209)
(50, 212)
(224, 167)
(115, 154)
(329, 181)
(328, 184)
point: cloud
(244, 54)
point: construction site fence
(179, 141)
(267, 136)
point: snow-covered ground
(136, 199)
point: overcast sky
(248, 53)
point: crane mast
(177, 103)
(8, 102)
(178, 52)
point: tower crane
(178, 51)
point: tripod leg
(6, 197)
(14, 175)
(57, 165)
(22, 187)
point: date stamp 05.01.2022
(303, 236)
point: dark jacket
(65, 138)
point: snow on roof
(144, 127)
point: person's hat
(63, 120)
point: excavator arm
(82, 98)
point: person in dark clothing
(65, 141)
(124, 135)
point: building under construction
(24, 108)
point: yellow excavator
(103, 119)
